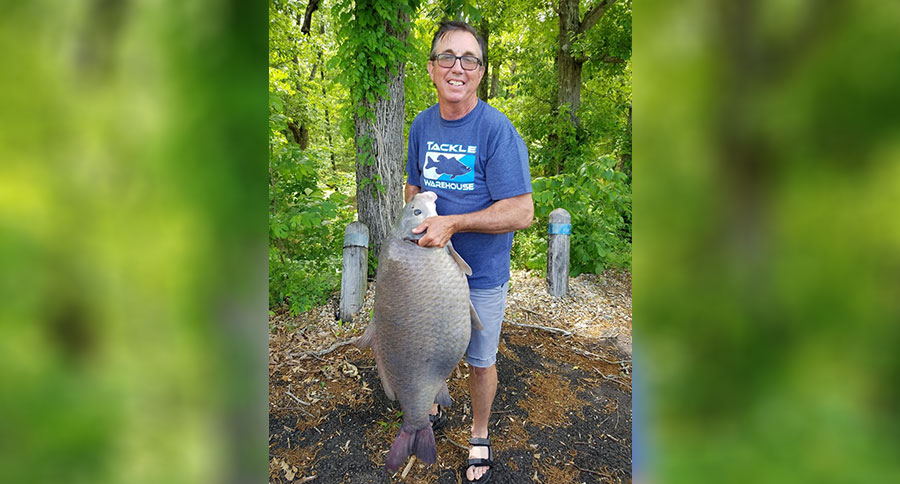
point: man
(471, 156)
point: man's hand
(439, 230)
(504, 215)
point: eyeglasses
(467, 62)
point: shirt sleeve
(413, 171)
(506, 170)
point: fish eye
(417, 212)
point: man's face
(454, 84)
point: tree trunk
(484, 30)
(625, 156)
(568, 67)
(568, 64)
(327, 114)
(379, 184)
(301, 134)
(512, 74)
(495, 80)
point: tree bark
(495, 81)
(301, 134)
(568, 67)
(376, 207)
(625, 156)
(484, 30)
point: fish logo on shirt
(449, 166)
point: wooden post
(558, 252)
(355, 269)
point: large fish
(420, 327)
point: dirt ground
(562, 412)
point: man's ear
(430, 66)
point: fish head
(420, 206)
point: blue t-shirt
(470, 163)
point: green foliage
(306, 222)
(419, 91)
(598, 198)
(572, 166)
(371, 50)
(769, 246)
(131, 199)
(323, 80)
(310, 190)
(301, 284)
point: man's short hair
(453, 25)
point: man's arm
(506, 215)
(409, 191)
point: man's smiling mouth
(455, 83)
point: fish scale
(423, 323)
(420, 327)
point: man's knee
(482, 372)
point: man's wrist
(456, 222)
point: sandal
(489, 462)
(438, 421)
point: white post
(355, 269)
(558, 252)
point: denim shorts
(490, 304)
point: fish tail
(419, 442)
(426, 449)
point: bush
(309, 209)
(599, 200)
(301, 285)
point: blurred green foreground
(767, 241)
(132, 242)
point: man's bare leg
(482, 389)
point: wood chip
(408, 467)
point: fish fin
(367, 338)
(419, 442)
(476, 321)
(426, 449)
(385, 383)
(443, 397)
(459, 260)
(402, 447)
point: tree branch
(307, 17)
(594, 15)
(535, 326)
(331, 348)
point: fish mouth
(414, 238)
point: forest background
(347, 78)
